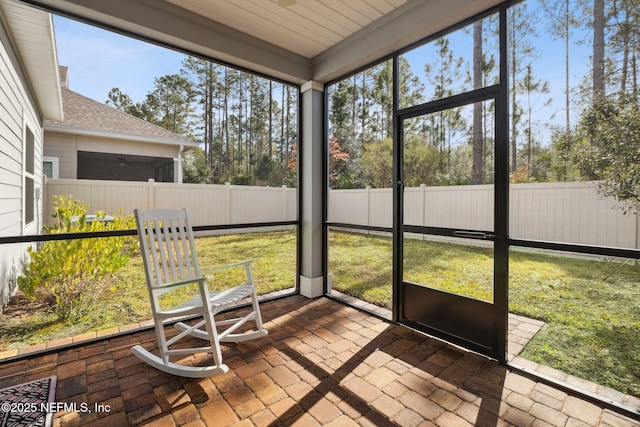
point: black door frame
(493, 331)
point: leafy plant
(610, 150)
(67, 274)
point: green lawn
(591, 307)
(125, 297)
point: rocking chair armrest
(223, 267)
(168, 286)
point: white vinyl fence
(571, 212)
(207, 204)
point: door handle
(473, 234)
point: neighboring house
(29, 93)
(95, 141)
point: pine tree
(521, 31)
(561, 19)
(477, 172)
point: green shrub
(68, 274)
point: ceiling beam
(167, 24)
(404, 26)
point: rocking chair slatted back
(168, 247)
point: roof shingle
(82, 113)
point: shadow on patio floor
(323, 363)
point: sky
(100, 60)
(547, 61)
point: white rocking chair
(171, 264)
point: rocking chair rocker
(171, 266)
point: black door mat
(26, 404)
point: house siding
(64, 148)
(17, 113)
(115, 146)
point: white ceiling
(307, 28)
(316, 40)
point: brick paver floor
(322, 364)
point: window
(29, 177)
(51, 167)
(164, 173)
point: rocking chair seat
(217, 299)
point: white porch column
(177, 166)
(310, 161)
